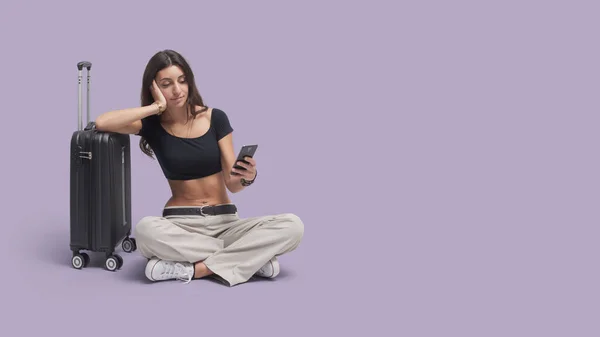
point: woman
(199, 233)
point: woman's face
(173, 85)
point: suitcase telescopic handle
(88, 66)
(84, 64)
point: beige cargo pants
(233, 248)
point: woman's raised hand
(158, 96)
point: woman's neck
(176, 116)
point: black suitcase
(100, 190)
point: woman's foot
(161, 270)
(270, 269)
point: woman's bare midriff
(199, 192)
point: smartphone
(246, 151)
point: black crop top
(187, 158)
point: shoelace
(178, 271)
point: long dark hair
(158, 62)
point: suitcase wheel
(80, 260)
(120, 260)
(113, 262)
(129, 245)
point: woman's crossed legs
(235, 249)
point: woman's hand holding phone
(244, 169)
(247, 170)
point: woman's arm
(127, 121)
(227, 161)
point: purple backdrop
(443, 156)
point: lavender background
(443, 156)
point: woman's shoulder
(219, 113)
(219, 121)
(212, 113)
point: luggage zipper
(87, 181)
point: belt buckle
(202, 210)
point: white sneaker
(270, 269)
(160, 270)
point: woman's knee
(294, 226)
(145, 228)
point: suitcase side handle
(88, 66)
